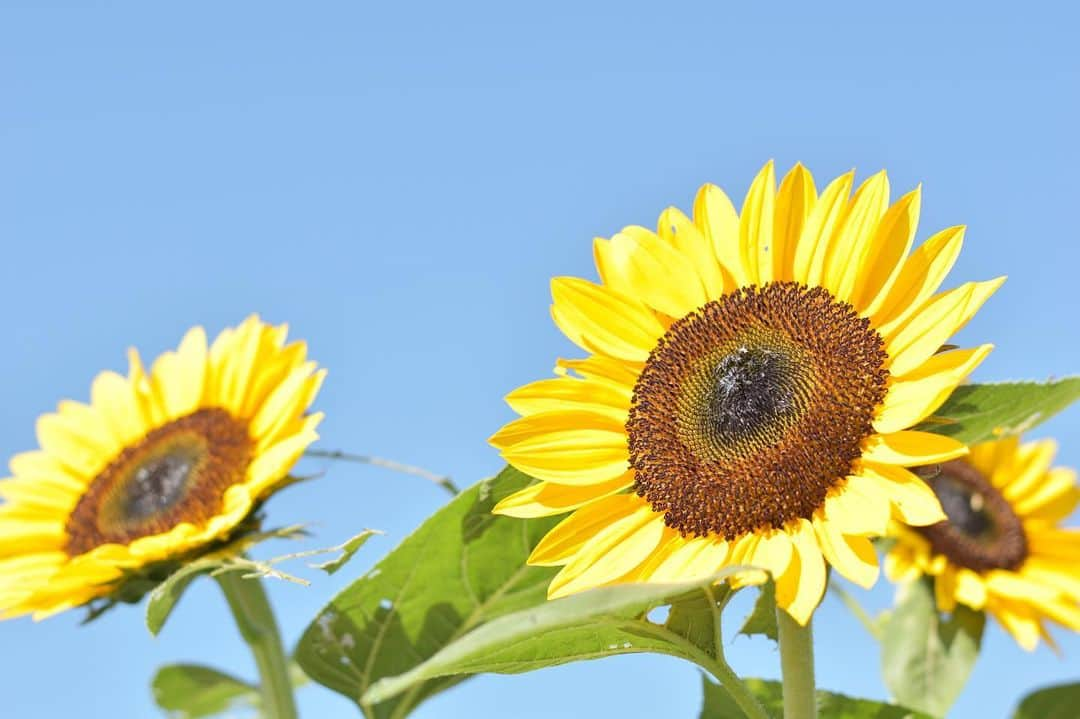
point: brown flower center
(176, 473)
(752, 407)
(982, 532)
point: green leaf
(590, 625)
(462, 567)
(1059, 702)
(762, 619)
(190, 691)
(456, 598)
(926, 658)
(718, 703)
(978, 412)
(347, 549)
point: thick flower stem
(255, 619)
(796, 666)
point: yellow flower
(1001, 549)
(160, 466)
(750, 387)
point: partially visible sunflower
(1001, 549)
(748, 397)
(161, 465)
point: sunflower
(748, 392)
(1001, 549)
(160, 466)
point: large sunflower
(159, 466)
(748, 397)
(1001, 548)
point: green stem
(255, 619)
(717, 666)
(796, 666)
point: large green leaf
(1060, 702)
(718, 704)
(464, 566)
(597, 623)
(456, 598)
(926, 658)
(978, 412)
(191, 691)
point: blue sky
(399, 181)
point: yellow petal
(915, 503)
(1061, 575)
(858, 507)
(1026, 471)
(911, 448)
(1017, 621)
(794, 201)
(580, 448)
(970, 589)
(1058, 484)
(561, 420)
(544, 499)
(940, 318)
(660, 276)
(677, 556)
(598, 367)
(1056, 509)
(611, 265)
(178, 376)
(117, 403)
(570, 393)
(900, 565)
(717, 219)
(909, 401)
(613, 552)
(990, 457)
(42, 467)
(599, 320)
(76, 451)
(680, 231)
(756, 226)
(773, 552)
(273, 463)
(287, 404)
(852, 556)
(814, 242)
(239, 351)
(884, 258)
(568, 536)
(920, 277)
(800, 590)
(845, 259)
(19, 536)
(945, 589)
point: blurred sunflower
(160, 466)
(1001, 549)
(748, 397)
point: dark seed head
(982, 532)
(752, 407)
(177, 473)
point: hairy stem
(255, 619)
(796, 666)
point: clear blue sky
(399, 180)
